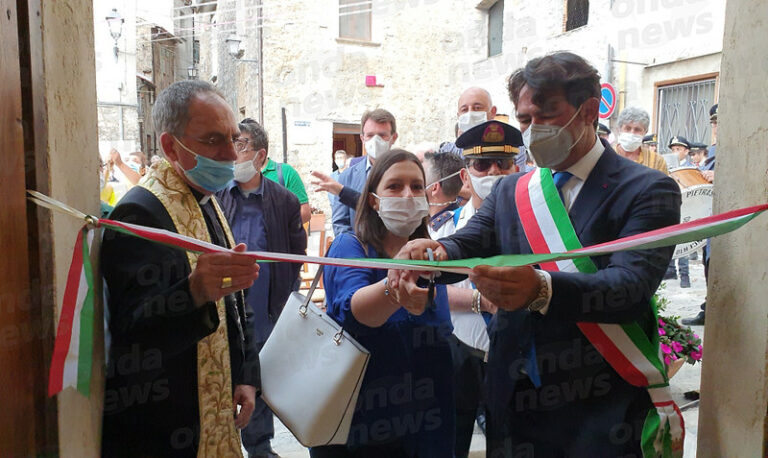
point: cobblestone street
(682, 302)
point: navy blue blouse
(406, 399)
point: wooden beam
(17, 357)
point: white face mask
(471, 119)
(402, 215)
(630, 142)
(376, 146)
(244, 171)
(550, 145)
(483, 185)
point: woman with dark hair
(405, 407)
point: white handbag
(311, 372)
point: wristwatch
(541, 299)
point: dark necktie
(560, 179)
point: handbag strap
(312, 289)
(303, 308)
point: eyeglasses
(241, 144)
(482, 165)
(216, 140)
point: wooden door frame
(29, 426)
(40, 230)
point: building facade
(309, 69)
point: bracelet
(387, 292)
(476, 301)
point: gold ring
(226, 282)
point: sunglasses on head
(482, 165)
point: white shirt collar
(584, 166)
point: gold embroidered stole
(218, 436)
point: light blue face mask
(210, 175)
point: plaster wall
(116, 78)
(641, 33)
(672, 71)
(70, 95)
(157, 12)
(734, 388)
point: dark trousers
(682, 265)
(341, 451)
(468, 376)
(261, 429)
(706, 270)
(608, 425)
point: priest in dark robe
(182, 371)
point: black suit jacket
(619, 198)
(151, 401)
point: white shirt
(469, 327)
(580, 171)
(570, 191)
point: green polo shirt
(291, 179)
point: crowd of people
(504, 347)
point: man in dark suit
(551, 393)
(182, 373)
(378, 134)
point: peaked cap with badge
(650, 139)
(679, 141)
(491, 139)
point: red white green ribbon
(73, 349)
(626, 347)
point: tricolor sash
(626, 347)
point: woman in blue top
(405, 407)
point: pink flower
(665, 348)
(695, 336)
(677, 347)
(662, 332)
(696, 355)
(700, 349)
(667, 360)
(661, 322)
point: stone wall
(734, 388)
(425, 52)
(320, 79)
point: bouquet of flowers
(676, 341)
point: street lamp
(192, 72)
(233, 41)
(115, 22)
